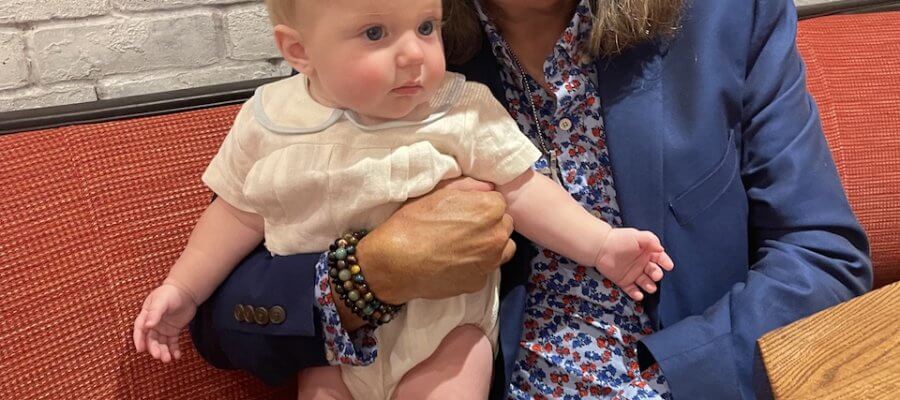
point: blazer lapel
(631, 96)
(632, 104)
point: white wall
(55, 52)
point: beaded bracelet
(350, 284)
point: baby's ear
(289, 44)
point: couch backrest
(92, 217)
(853, 69)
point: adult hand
(439, 245)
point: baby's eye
(426, 28)
(375, 33)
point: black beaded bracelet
(350, 284)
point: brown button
(248, 313)
(276, 315)
(261, 316)
(239, 313)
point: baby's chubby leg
(322, 383)
(460, 368)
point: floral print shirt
(580, 329)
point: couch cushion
(92, 218)
(853, 72)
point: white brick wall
(40, 10)
(13, 65)
(55, 52)
(155, 81)
(143, 5)
(42, 96)
(249, 33)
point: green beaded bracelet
(350, 284)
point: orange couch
(93, 215)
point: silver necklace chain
(542, 140)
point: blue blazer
(717, 148)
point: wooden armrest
(849, 351)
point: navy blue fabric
(272, 352)
(717, 148)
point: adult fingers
(507, 222)
(465, 184)
(508, 252)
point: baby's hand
(166, 311)
(633, 260)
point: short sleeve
(228, 169)
(492, 148)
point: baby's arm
(495, 150)
(221, 238)
(545, 213)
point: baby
(373, 120)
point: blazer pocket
(701, 195)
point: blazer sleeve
(273, 352)
(808, 251)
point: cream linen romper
(314, 172)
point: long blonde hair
(618, 25)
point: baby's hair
(282, 11)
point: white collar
(286, 107)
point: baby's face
(380, 58)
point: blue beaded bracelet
(350, 284)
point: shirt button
(565, 124)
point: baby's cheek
(435, 75)
(366, 80)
